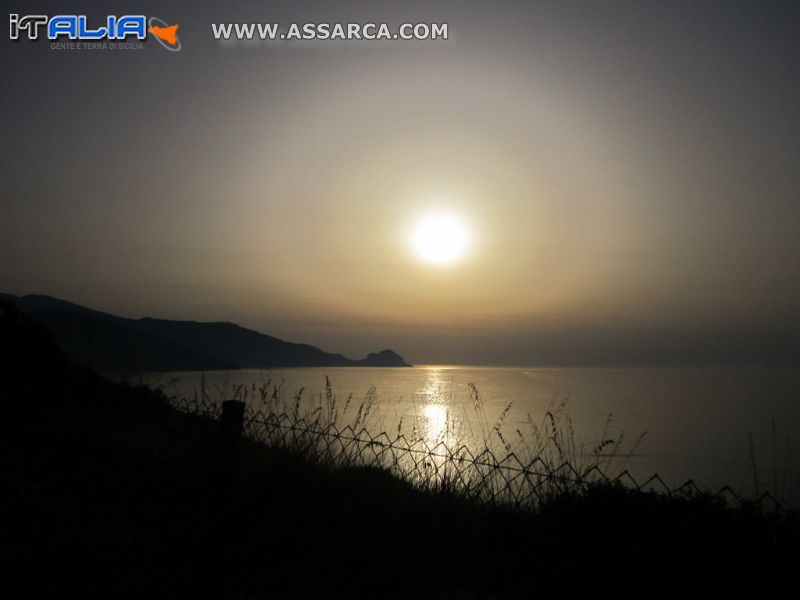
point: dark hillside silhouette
(249, 349)
(111, 343)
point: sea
(717, 427)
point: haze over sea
(698, 422)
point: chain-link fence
(483, 476)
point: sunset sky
(627, 176)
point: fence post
(231, 428)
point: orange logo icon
(168, 34)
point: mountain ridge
(113, 343)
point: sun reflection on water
(434, 418)
(435, 421)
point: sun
(440, 239)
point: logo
(166, 35)
(77, 28)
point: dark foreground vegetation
(106, 491)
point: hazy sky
(629, 173)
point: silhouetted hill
(108, 345)
(36, 302)
(111, 343)
(244, 347)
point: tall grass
(776, 474)
(453, 446)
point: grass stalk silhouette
(464, 454)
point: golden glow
(435, 416)
(440, 239)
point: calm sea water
(696, 423)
